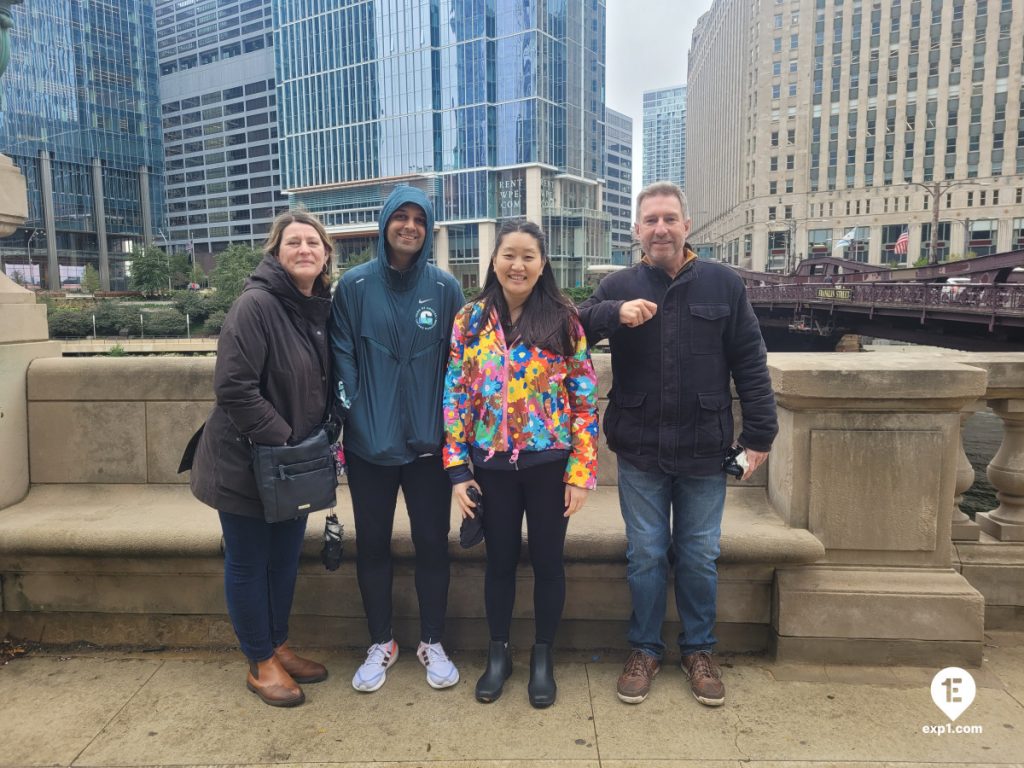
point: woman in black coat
(271, 384)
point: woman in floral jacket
(521, 405)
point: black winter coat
(271, 384)
(670, 405)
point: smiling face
(303, 255)
(405, 234)
(518, 265)
(662, 231)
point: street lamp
(167, 256)
(936, 189)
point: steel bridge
(964, 316)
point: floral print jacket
(519, 399)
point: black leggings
(428, 498)
(540, 491)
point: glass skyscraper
(618, 197)
(495, 108)
(665, 136)
(79, 115)
(219, 105)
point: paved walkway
(185, 708)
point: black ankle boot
(499, 667)
(542, 686)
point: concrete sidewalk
(182, 708)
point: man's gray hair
(666, 189)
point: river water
(982, 436)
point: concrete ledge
(165, 521)
(115, 378)
(877, 616)
(142, 565)
(996, 569)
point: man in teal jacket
(391, 323)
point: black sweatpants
(540, 492)
(428, 498)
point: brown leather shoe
(705, 678)
(269, 680)
(302, 670)
(635, 681)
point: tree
(233, 266)
(90, 279)
(181, 270)
(150, 270)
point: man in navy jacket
(680, 329)
(391, 322)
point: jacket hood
(398, 198)
(270, 276)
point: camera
(735, 461)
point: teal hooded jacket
(390, 334)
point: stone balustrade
(838, 550)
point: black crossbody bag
(294, 480)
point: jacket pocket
(624, 421)
(714, 424)
(707, 326)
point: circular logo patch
(426, 318)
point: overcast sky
(648, 41)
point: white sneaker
(374, 671)
(441, 673)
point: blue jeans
(261, 562)
(662, 510)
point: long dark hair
(548, 319)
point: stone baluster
(963, 528)
(1006, 473)
(1005, 396)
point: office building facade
(665, 135)
(851, 124)
(219, 117)
(79, 115)
(494, 109)
(618, 193)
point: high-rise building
(618, 193)
(665, 135)
(494, 109)
(79, 115)
(219, 110)
(834, 127)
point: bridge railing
(974, 297)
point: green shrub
(579, 294)
(193, 304)
(116, 319)
(214, 322)
(69, 323)
(165, 322)
(116, 351)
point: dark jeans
(540, 492)
(261, 561)
(428, 498)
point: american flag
(901, 244)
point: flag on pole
(847, 240)
(902, 242)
